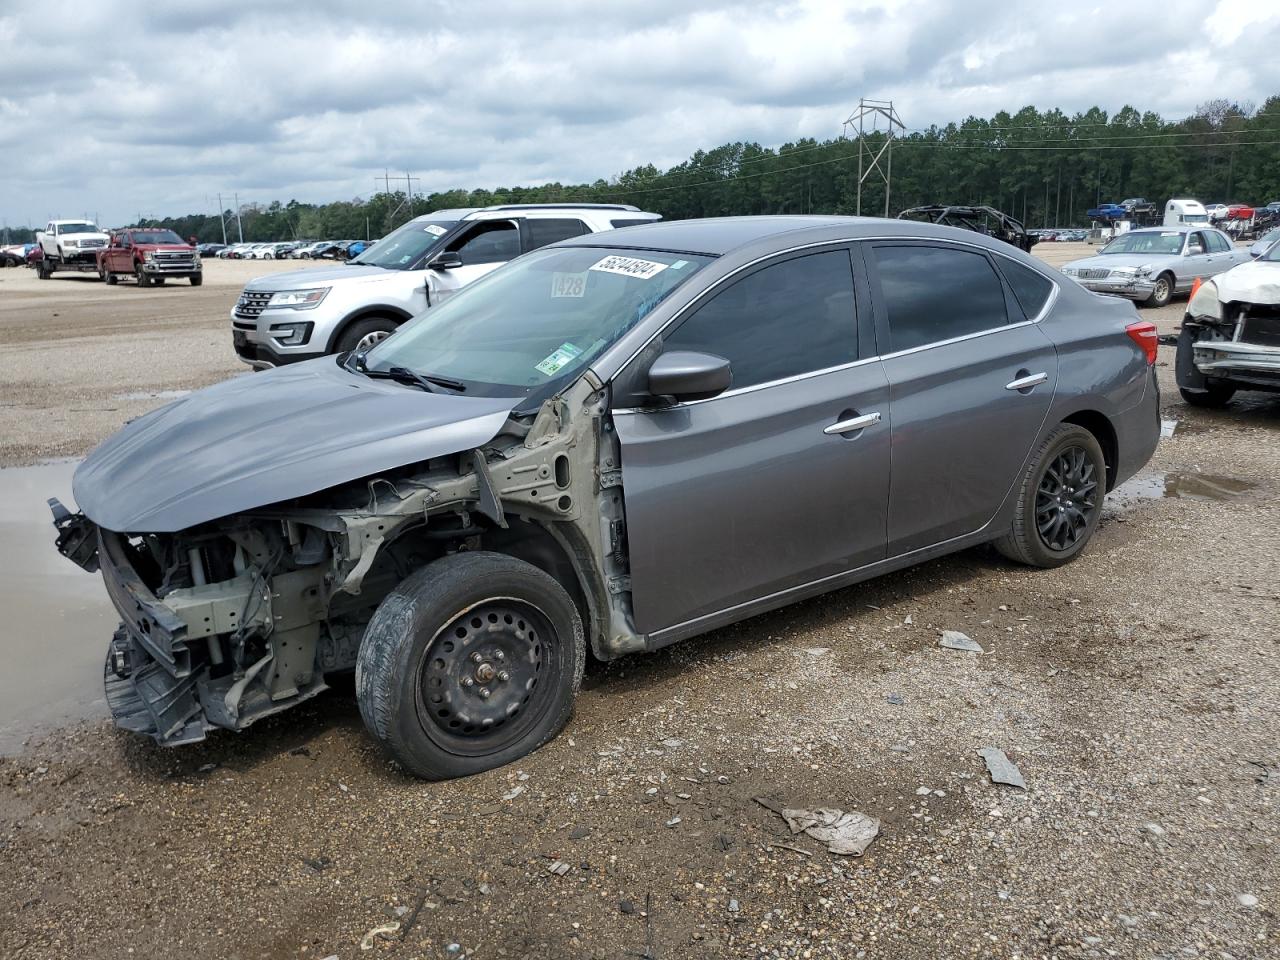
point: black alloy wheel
(1067, 499)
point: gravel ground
(1136, 690)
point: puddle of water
(57, 617)
(1184, 486)
(152, 395)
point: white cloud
(156, 110)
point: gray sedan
(610, 444)
(1151, 265)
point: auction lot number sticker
(572, 285)
(629, 267)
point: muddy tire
(1059, 500)
(1163, 292)
(472, 662)
(363, 334)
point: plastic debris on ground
(1001, 768)
(955, 640)
(385, 931)
(847, 834)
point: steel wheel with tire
(363, 334)
(469, 664)
(1163, 292)
(1059, 500)
(143, 279)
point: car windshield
(1271, 254)
(156, 236)
(535, 323)
(1146, 241)
(403, 247)
(64, 228)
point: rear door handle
(853, 423)
(1025, 383)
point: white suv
(302, 314)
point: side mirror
(445, 261)
(689, 376)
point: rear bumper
(1137, 431)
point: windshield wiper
(427, 382)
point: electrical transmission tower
(868, 156)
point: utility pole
(239, 225)
(408, 181)
(222, 219)
(868, 157)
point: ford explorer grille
(252, 303)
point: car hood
(261, 438)
(1254, 282)
(302, 279)
(1113, 260)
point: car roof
(716, 236)
(1176, 228)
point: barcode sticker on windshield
(560, 357)
(629, 267)
(435, 229)
(572, 285)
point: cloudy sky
(122, 109)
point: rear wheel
(1059, 500)
(363, 334)
(1163, 292)
(469, 664)
(42, 270)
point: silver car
(1153, 264)
(613, 443)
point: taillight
(1145, 335)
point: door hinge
(610, 478)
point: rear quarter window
(1031, 287)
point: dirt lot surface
(1136, 690)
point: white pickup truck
(69, 245)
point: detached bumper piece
(148, 700)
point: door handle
(1025, 383)
(853, 423)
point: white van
(1178, 212)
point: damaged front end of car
(1230, 336)
(234, 619)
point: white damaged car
(1230, 337)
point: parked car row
(292, 250)
(622, 439)
(1060, 236)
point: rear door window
(1217, 242)
(540, 232)
(788, 318)
(1030, 287)
(930, 293)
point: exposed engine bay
(241, 617)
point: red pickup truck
(149, 255)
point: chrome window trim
(697, 301)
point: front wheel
(1059, 500)
(363, 334)
(1163, 292)
(111, 279)
(1215, 394)
(470, 663)
(144, 279)
(197, 279)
